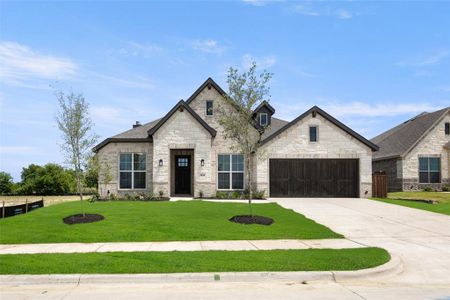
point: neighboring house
(415, 154)
(185, 154)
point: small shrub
(259, 194)
(446, 188)
(427, 189)
(95, 197)
(236, 195)
(161, 194)
(148, 197)
(200, 194)
(221, 195)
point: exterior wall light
(202, 162)
(160, 162)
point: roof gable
(209, 83)
(181, 105)
(317, 110)
(400, 140)
(266, 105)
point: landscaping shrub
(427, 189)
(446, 188)
(236, 195)
(221, 195)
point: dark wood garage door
(314, 178)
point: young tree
(245, 92)
(75, 125)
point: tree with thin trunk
(246, 91)
(76, 126)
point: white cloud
(264, 62)
(377, 110)
(208, 46)
(19, 62)
(138, 82)
(343, 14)
(260, 2)
(305, 9)
(354, 109)
(105, 114)
(140, 49)
(424, 61)
(17, 150)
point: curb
(394, 266)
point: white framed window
(132, 171)
(313, 134)
(230, 172)
(263, 119)
(209, 107)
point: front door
(183, 174)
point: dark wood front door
(314, 178)
(183, 174)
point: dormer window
(209, 108)
(447, 128)
(263, 119)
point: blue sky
(370, 64)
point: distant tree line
(49, 179)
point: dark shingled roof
(398, 141)
(275, 125)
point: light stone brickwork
(182, 131)
(431, 145)
(109, 162)
(220, 145)
(332, 143)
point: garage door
(314, 177)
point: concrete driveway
(420, 238)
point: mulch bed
(248, 219)
(80, 219)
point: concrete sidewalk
(233, 245)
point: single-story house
(415, 154)
(185, 154)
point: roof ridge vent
(137, 124)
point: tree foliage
(6, 183)
(50, 179)
(246, 91)
(75, 125)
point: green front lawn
(157, 221)
(443, 207)
(437, 196)
(196, 261)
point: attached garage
(314, 177)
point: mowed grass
(436, 196)
(443, 207)
(157, 221)
(195, 261)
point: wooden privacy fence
(9, 211)
(379, 185)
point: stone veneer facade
(403, 173)
(332, 143)
(182, 131)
